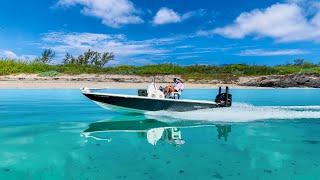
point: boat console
(223, 99)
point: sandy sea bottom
(59, 134)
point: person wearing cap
(176, 87)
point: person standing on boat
(176, 87)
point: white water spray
(241, 112)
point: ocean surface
(60, 134)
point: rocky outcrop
(292, 80)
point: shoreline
(107, 85)
(111, 81)
(115, 85)
(115, 81)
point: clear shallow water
(268, 134)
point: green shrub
(223, 72)
(50, 74)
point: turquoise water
(59, 134)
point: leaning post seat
(176, 95)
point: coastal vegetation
(89, 58)
(46, 56)
(94, 62)
(9, 66)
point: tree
(46, 56)
(69, 59)
(95, 59)
(106, 57)
(86, 57)
(89, 58)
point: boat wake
(241, 112)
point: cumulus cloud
(261, 52)
(77, 43)
(113, 13)
(7, 54)
(285, 22)
(168, 16)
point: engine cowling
(224, 99)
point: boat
(153, 99)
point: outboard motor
(224, 99)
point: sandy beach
(33, 81)
(115, 81)
(80, 84)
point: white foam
(241, 112)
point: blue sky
(164, 31)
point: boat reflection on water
(151, 129)
(223, 131)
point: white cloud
(187, 57)
(77, 43)
(7, 54)
(284, 22)
(126, 51)
(168, 16)
(113, 13)
(261, 52)
(184, 47)
(190, 14)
